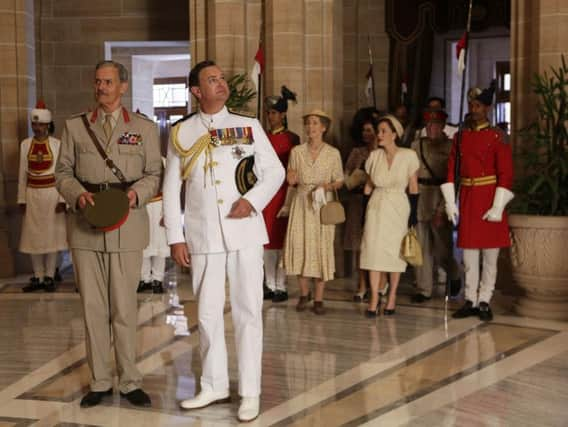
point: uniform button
(217, 182)
(220, 201)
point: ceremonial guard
(434, 231)
(486, 176)
(109, 168)
(231, 172)
(155, 254)
(282, 141)
(43, 227)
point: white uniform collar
(214, 121)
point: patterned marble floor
(417, 368)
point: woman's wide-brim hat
(318, 113)
(110, 211)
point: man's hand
(180, 254)
(60, 207)
(85, 198)
(162, 223)
(437, 219)
(132, 198)
(240, 209)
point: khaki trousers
(107, 282)
(436, 246)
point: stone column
(225, 31)
(539, 35)
(17, 96)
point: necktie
(107, 126)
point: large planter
(539, 258)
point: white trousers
(243, 269)
(153, 268)
(480, 290)
(44, 264)
(273, 272)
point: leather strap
(426, 165)
(108, 161)
(96, 188)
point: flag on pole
(460, 54)
(369, 85)
(258, 67)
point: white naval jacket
(210, 194)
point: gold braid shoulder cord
(189, 157)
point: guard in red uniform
(282, 141)
(486, 176)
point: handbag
(410, 249)
(332, 213)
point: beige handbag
(410, 249)
(332, 212)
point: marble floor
(417, 368)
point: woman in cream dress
(391, 170)
(308, 248)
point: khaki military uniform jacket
(79, 161)
(436, 154)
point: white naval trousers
(243, 269)
(473, 285)
(44, 264)
(273, 271)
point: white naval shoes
(206, 398)
(249, 409)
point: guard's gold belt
(481, 180)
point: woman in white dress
(391, 169)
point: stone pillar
(225, 31)
(539, 35)
(17, 96)
(304, 51)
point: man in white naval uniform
(224, 231)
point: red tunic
(483, 153)
(282, 142)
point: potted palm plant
(539, 220)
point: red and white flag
(403, 91)
(258, 67)
(460, 53)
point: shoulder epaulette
(246, 114)
(143, 116)
(75, 115)
(184, 118)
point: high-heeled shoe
(387, 312)
(371, 314)
(383, 293)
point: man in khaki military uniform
(107, 264)
(434, 231)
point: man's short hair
(122, 71)
(442, 101)
(193, 79)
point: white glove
(500, 200)
(449, 193)
(318, 199)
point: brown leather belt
(431, 181)
(96, 188)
